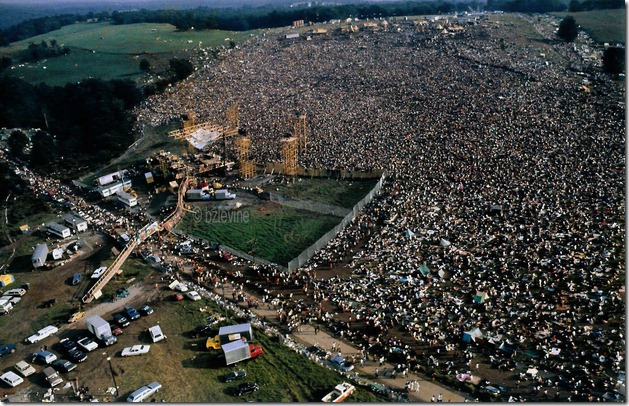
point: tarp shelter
(445, 243)
(472, 335)
(409, 233)
(6, 280)
(424, 269)
(480, 296)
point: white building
(110, 178)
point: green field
(343, 193)
(602, 25)
(277, 234)
(107, 51)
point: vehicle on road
(24, 368)
(74, 317)
(341, 364)
(131, 313)
(246, 388)
(144, 392)
(63, 365)
(7, 349)
(11, 378)
(135, 350)
(233, 375)
(193, 295)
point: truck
(101, 330)
(223, 194)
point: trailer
(236, 351)
(127, 198)
(223, 194)
(58, 230)
(39, 256)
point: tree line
(81, 124)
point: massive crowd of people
(503, 208)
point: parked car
(24, 368)
(246, 388)
(213, 342)
(193, 295)
(201, 331)
(63, 365)
(52, 376)
(120, 319)
(255, 351)
(77, 355)
(15, 292)
(11, 378)
(233, 375)
(144, 392)
(177, 296)
(146, 310)
(42, 334)
(340, 364)
(135, 350)
(131, 312)
(115, 329)
(88, 344)
(98, 272)
(74, 317)
(44, 357)
(7, 349)
(67, 345)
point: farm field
(106, 51)
(276, 233)
(603, 25)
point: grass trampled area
(343, 193)
(277, 233)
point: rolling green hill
(106, 51)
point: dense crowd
(504, 203)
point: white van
(156, 333)
(144, 392)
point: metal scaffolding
(288, 151)
(299, 132)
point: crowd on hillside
(504, 203)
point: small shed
(76, 222)
(24, 229)
(235, 332)
(236, 351)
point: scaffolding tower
(232, 120)
(243, 148)
(299, 132)
(288, 151)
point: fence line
(306, 254)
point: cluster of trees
(43, 50)
(587, 5)
(83, 124)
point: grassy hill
(602, 25)
(106, 51)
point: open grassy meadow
(602, 25)
(106, 51)
(277, 233)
